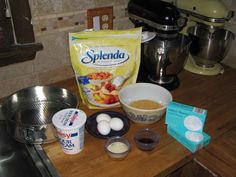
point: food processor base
(143, 76)
(173, 82)
(192, 67)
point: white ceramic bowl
(144, 91)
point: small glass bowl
(117, 147)
(146, 139)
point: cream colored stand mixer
(210, 41)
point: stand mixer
(210, 41)
(162, 56)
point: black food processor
(164, 56)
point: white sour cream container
(69, 124)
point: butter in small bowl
(117, 148)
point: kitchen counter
(217, 94)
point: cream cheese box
(191, 140)
(185, 117)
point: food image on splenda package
(102, 90)
(104, 62)
(100, 76)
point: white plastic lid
(69, 119)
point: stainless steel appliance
(164, 56)
(164, 59)
(210, 41)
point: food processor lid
(159, 15)
(214, 11)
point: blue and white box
(191, 140)
(185, 123)
(184, 117)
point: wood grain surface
(217, 94)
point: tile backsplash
(52, 21)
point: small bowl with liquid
(117, 147)
(146, 139)
(144, 103)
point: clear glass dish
(117, 148)
(146, 139)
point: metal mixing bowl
(209, 47)
(164, 57)
(29, 112)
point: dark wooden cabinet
(17, 42)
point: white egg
(103, 116)
(103, 127)
(116, 124)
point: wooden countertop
(217, 94)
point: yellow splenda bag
(104, 62)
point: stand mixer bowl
(209, 47)
(164, 58)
